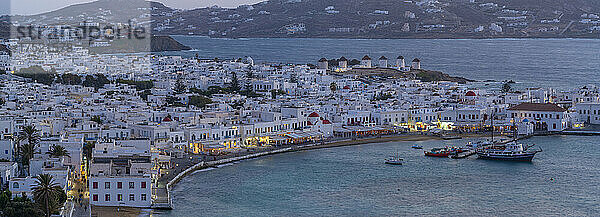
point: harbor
(299, 108)
(343, 171)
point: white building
(416, 63)
(544, 116)
(383, 62)
(121, 174)
(323, 64)
(6, 149)
(400, 62)
(8, 170)
(4, 58)
(366, 62)
(588, 113)
(343, 63)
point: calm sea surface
(562, 180)
(559, 63)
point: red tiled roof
(538, 107)
(326, 122)
(471, 93)
(313, 115)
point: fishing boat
(509, 152)
(440, 152)
(415, 146)
(394, 161)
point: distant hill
(390, 19)
(101, 11)
(347, 18)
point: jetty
(463, 155)
(581, 133)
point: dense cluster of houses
(136, 130)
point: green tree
(293, 78)
(274, 93)
(101, 80)
(199, 101)
(235, 83)
(26, 152)
(38, 75)
(249, 74)
(5, 197)
(88, 147)
(144, 94)
(96, 81)
(248, 87)
(29, 133)
(139, 85)
(506, 88)
(47, 193)
(18, 206)
(97, 119)
(179, 86)
(333, 87)
(58, 151)
(70, 79)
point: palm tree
(26, 152)
(58, 151)
(30, 133)
(46, 192)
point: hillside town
(112, 129)
(380, 19)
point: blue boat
(415, 146)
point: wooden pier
(463, 155)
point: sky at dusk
(29, 7)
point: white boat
(394, 161)
(511, 152)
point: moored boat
(441, 152)
(415, 146)
(394, 161)
(509, 152)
